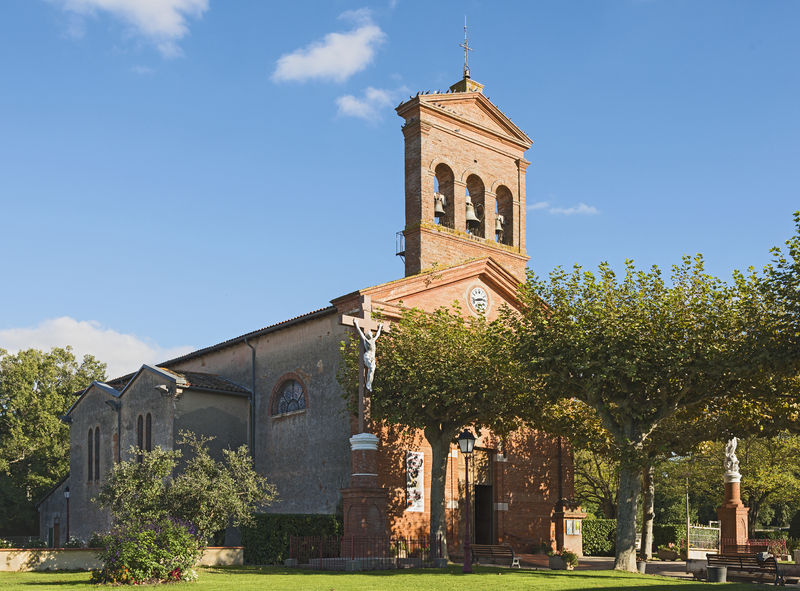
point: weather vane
(467, 48)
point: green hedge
(267, 540)
(599, 537)
(665, 533)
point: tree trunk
(630, 484)
(440, 446)
(648, 511)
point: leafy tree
(769, 467)
(782, 286)
(207, 493)
(439, 373)
(596, 480)
(36, 388)
(638, 350)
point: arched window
(148, 429)
(289, 396)
(140, 437)
(443, 192)
(90, 455)
(97, 453)
(505, 208)
(476, 195)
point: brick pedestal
(568, 535)
(732, 515)
(364, 502)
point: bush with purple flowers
(161, 550)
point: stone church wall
(305, 454)
(220, 416)
(92, 412)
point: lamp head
(66, 493)
(466, 442)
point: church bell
(472, 219)
(498, 223)
(439, 203)
(498, 226)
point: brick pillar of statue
(567, 520)
(732, 514)
(364, 502)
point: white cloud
(367, 107)
(580, 209)
(123, 353)
(337, 56)
(161, 22)
(538, 205)
(142, 70)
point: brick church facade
(275, 389)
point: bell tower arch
(464, 181)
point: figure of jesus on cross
(366, 358)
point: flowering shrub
(74, 542)
(161, 550)
(5, 544)
(35, 543)
(97, 540)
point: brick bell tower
(464, 180)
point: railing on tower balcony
(400, 245)
(362, 553)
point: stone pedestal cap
(364, 441)
(732, 477)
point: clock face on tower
(478, 299)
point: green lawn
(484, 579)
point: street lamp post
(66, 496)
(466, 442)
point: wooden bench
(494, 553)
(748, 563)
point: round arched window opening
(290, 397)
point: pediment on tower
(467, 284)
(475, 109)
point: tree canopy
(36, 388)
(206, 493)
(638, 350)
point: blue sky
(177, 172)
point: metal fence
(703, 538)
(362, 553)
(775, 547)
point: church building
(275, 389)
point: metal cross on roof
(467, 48)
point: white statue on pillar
(731, 462)
(369, 351)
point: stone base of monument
(732, 514)
(364, 503)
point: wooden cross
(366, 323)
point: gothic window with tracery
(290, 397)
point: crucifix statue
(366, 358)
